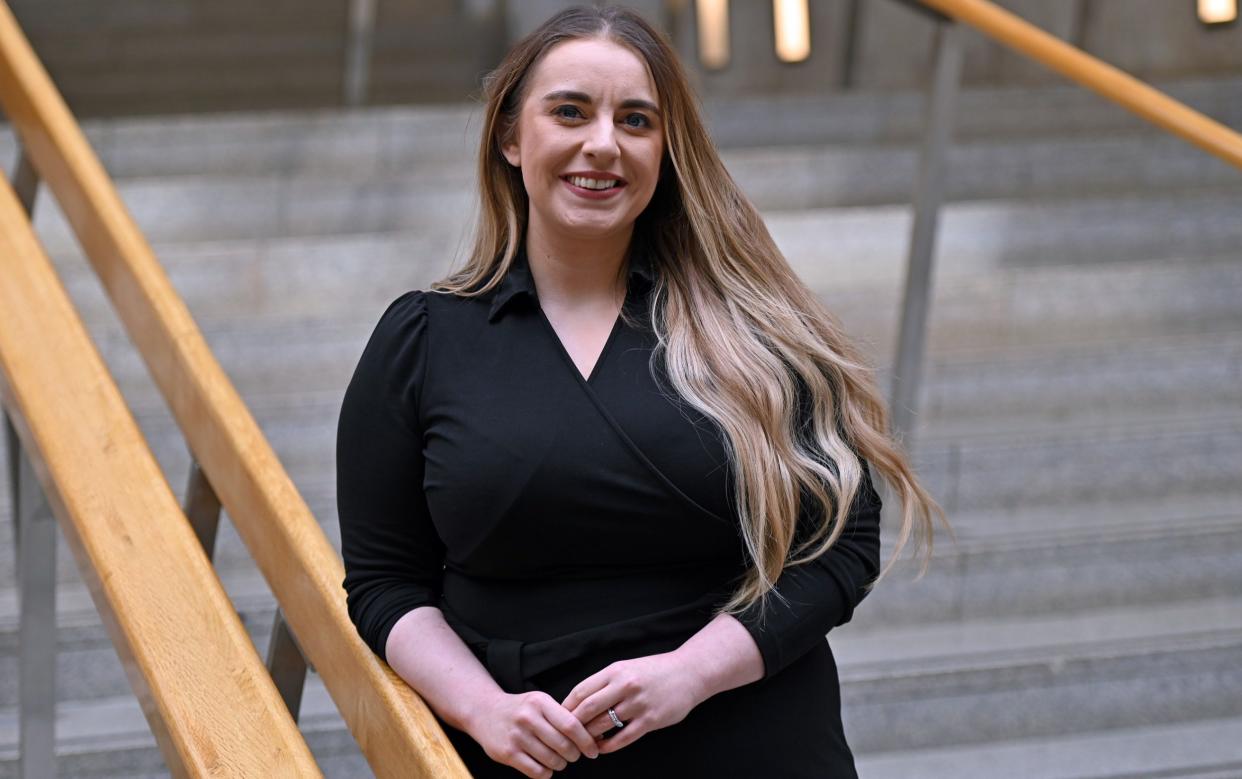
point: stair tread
(1207, 749)
(865, 649)
(117, 722)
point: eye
(557, 111)
(645, 121)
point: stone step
(87, 665)
(962, 682)
(978, 238)
(972, 470)
(1179, 376)
(968, 625)
(986, 267)
(774, 178)
(798, 177)
(1077, 465)
(1082, 463)
(1134, 223)
(1130, 684)
(1122, 554)
(871, 648)
(1011, 573)
(1084, 459)
(994, 112)
(372, 140)
(1103, 672)
(1193, 749)
(110, 737)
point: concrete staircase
(1081, 420)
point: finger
(534, 746)
(600, 726)
(572, 728)
(584, 689)
(633, 730)
(550, 734)
(531, 767)
(598, 704)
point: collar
(519, 281)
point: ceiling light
(713, 20)
(1218, 11)
(793, 30)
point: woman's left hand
(648, 693)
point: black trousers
(785, 727)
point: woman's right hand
(532, 732)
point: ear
(512, 151)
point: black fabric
(562, 523)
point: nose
(601, 142)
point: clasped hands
(647, 693)
(536, 735)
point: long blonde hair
(743, 338)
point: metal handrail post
(287, 664)
(285, 660)
(358, 44)
(36, 576)
(12, 446)
(34, 539)
(928, 194)
(25, 180)
(202, 507)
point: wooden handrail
(1091, 72)
(395, 729)
(203, 688)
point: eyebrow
(582, 97)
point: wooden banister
(202, 686)
(1110, 82)
(397, 732)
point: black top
(555, 520)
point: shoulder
(401, 326)
(408, 308)
(417, 305)
(435, 315)
(414, 318)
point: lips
(595, 177)
(594, 194)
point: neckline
(569, 360)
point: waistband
(514, 662)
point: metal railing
(34, 537)
(1027, 39)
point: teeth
(586, 183)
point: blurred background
(298, 164)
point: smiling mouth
(595, 185)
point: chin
(593, 229)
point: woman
(575, 478)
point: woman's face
(590, 112)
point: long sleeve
(821, 594)
(393, 557)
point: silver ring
(615, 719)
